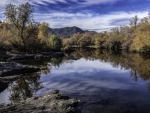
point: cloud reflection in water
(86, 76)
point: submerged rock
(52, 102)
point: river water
(105, 82)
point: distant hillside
(67, 31)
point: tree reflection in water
(137, 63)
(25, 87)
(56, 62)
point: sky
(93, 15)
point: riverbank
(52, 102)
(10, 69)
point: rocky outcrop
(11, 68)
(22, 57)
(52, 102)
(42, 55)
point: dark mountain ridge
(67, 31)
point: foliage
(5, 35)
(141, 41)
(55, 41)
(135, 37)
(21, 22)
(21, 32)
(43, 34)
(85, 40)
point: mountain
(67, 31)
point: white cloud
(88, 20)
(86, 2)
(95, 2)
(85, 75)
(85, 20)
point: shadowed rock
(10, 71)
(11, 68)
(22, 57)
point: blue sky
(96, 15)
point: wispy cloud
(87, 14)
(89, 20)
(84, 2)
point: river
(106, 82)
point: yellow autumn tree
(141, 41)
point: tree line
(133, 37)
(19, 31)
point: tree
(99, 39)
(85, 40)
(55, 41)
(133, 21)
(5, 35)
(43, 34)
(21, 21)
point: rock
(3, 55)
(22, 57)
(40, 56)
(11, 68)
(51, 102)
(58, 54)
(10, 71)
(3, 85)
(5, 81)
(47, 53)
(54, 92)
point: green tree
(55, 41)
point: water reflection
(102, 78)
(25, 87)
(56, 62)
(138, 64)
(108, 82)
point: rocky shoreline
(15, 56)
(52, 102)
(11, 71)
